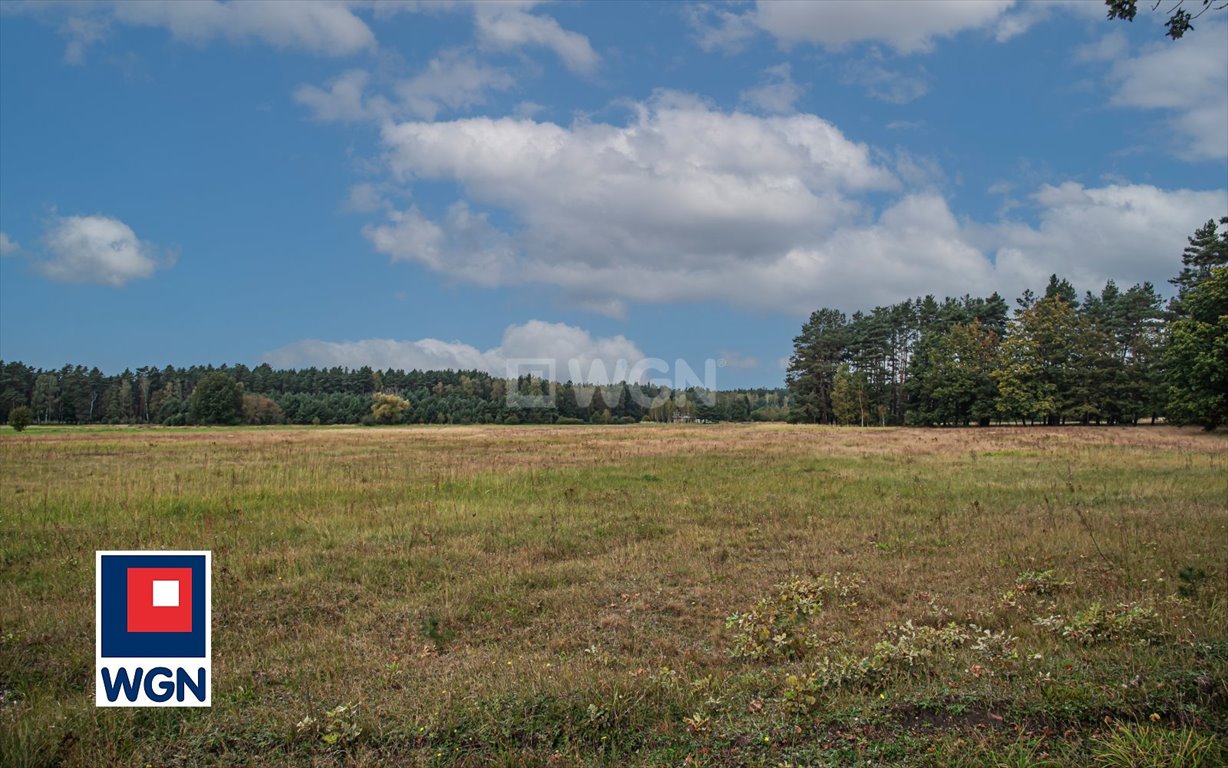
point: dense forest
(1116, 357)
(1113, 357)
(261, 395)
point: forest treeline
(264, 395)
(1113, 357)
(1119, 356)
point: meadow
(636, 595)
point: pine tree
(1196, 357)
(817, 352)
(1207, 248)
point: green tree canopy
(954, 384)
(217, 399)
(20, 417)
(817, 354)
(387, 408)
(1197, 355)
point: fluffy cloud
(95, 249)
(1189, 80)
(507, 26)
(908, 26)
(577, 354)
(574, 353)
(317, 26)
(766, 212)
(8, 246)
(325, 27)
(426, 354)
(451, 81)
(914, 247)
(463, 245)
(1126, 232)
(599, 202)
(783, 168)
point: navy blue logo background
(117, 641)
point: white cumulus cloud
(324, 27)
(1128, 232)
(595, 201)
(1188, 80)
(908, 26)
(775, 213)
(452, 81)
(508, 26)
(95, 249)
(463, 245)
(574, 353)
(319, 26)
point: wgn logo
(152, 613)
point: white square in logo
(165, 594)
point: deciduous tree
(20, 417)
(217, 399)
(387, 408)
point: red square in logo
(159, 599)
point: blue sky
(437, 184)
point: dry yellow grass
(535, 594)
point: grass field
(639, 595)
